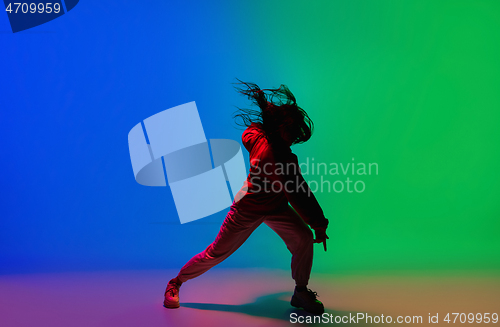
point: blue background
(71, 91)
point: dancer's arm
(300, 196)
(302, 199)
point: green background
(412, 86)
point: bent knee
(306, 237)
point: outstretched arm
(302, 199)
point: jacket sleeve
(299, 194)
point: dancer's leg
(234, 231)
(298, 239)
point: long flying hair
(277, 110)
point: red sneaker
(172, 294)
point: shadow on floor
(270, 306)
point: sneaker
(172, 294)
(307, 301)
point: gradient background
(413, 86)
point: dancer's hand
(321, 236)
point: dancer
(273, 184)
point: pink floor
(227, 297)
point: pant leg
(234, 231)
(298, 238)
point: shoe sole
(170, 305)
(295, 303)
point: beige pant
(238, 226)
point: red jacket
(275, 180)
